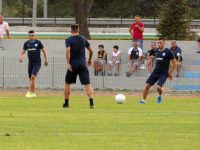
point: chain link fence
(15, 74)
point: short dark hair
(31, 31)
(115, 46)
(101, 45)
(137, 16)
(74, 28)
(161, 38)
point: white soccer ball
(120, 98)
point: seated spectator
(198, 42)
(151, 57)
(178, 55)
(99, 63)
(115, 61)
(134, 58)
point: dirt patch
(59, 92)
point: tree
(81, 11)
(174, 20)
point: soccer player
(76, 64)
(33, 46)
(161, 71)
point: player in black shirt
(161, 71)
(33, 47)
(77, 64)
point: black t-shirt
(33, 47)
(177, 52)
(152, 52)
(77, 44)
(134, 54)
(163, 59)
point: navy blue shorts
(33, 68)
(83, 73)
(155, 77)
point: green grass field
(41, 124)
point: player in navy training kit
(33, 46)
(161, 71)
(77, 65)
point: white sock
(143, 100)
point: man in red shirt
(136, 30)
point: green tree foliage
(174, 20)
(100, 8)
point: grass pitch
(42, 124)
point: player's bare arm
(68, 55)
(21, 56)
(172, 68)
(90, 55)
(45, 57)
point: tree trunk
(81, 11)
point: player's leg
(70, 78)
(149, 83)
(35, 71)
(145, 93)
(161, 81)
(89, 91)
(30, 68)
(67, 91)
(130, 66)
(32, 84)
(85, 80)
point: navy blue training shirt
(33, 48)
(163, 59)
(77, 44)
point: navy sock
(67, 102)
(91, 102)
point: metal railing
(106, 22)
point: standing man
(76, 64)
(161, 71)
(33, 46)
(136, 30)
(4, 27)
(178, 56)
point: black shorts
(33, 68)
(155, 77)
(83, 73)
